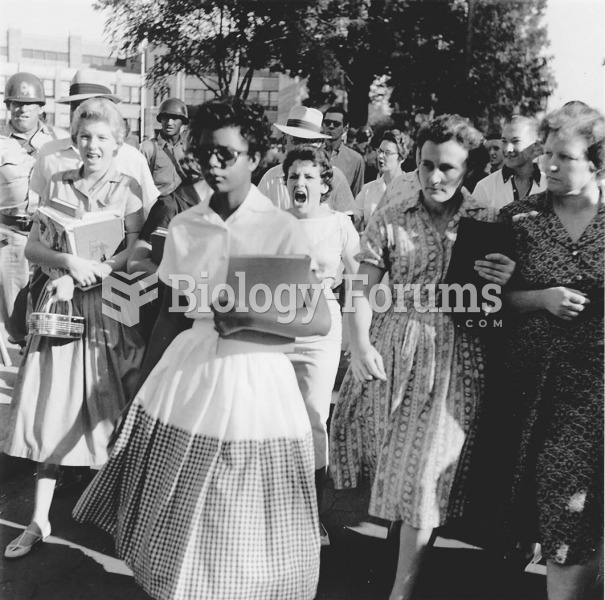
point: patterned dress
(556, 372)
(70, 393)
(412, 433)
(210, 489)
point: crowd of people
(208, 425)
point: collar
(469, 204)
(162, 141)
(536, 175)
(10, 131)
(254, 202)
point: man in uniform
(20, 142)
(167, 154)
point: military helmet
(24, 87)
(173, 106)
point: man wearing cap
(62, 155)
(20, 142)
(166, 154)
(304, 127)
(335, 125)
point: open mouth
(300, 197)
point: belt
(19, 222)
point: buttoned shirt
(17, 158)
(163, 170)
(62, 155)
(200, 242)
(498, 189)
(367, 200)
(351, 163)
(273, 186)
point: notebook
(254, 280)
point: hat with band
(84, 85)
(303, 122)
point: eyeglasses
(332, 123)
(226, 156)
(386, 152)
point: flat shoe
(24, 544)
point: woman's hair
(402, 140)
(578, 119)
(317, 157)
(233, 112)
(450, 127)
(99, 109)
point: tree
(222, 42)
(480, 58)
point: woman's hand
(62, 288)
(563, 302)
(102, 270)
(230, 321)
(84, 271)
(497, 268)
(366, 364)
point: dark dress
(556, 374)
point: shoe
(323, 535)
(24, 544)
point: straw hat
(84, 85)
(304, 123)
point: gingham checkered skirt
(197, 510)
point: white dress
(210, 490)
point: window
(64, 89)
(131, 94)
(97, 61)
(45, 55)
(3, 51)
(266, 99)
(3, 79)
(49, 87)
(62, 120)
(198, 96)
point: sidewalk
(77, 561)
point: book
(158, 239)
(95, 236)
(68, 209)
(251, 277)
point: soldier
(166, 154)
(20, 142)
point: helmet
(24, 87)
(173, 106)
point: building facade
(55, 60)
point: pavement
(77, 562)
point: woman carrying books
(408, 405)
(209, 491)
(69, 392)
(308, 177)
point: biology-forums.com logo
(123, 295)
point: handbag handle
(52, 300)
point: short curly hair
(99, 109)
(401, 139)
(317, 157)
(444, 128)
(578, 119)
(249, 117)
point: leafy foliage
(480, 58)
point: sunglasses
(225, 155)
(332, 123)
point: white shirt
(272, 185)
(401, 187)
(497, 190)
(367, 200)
